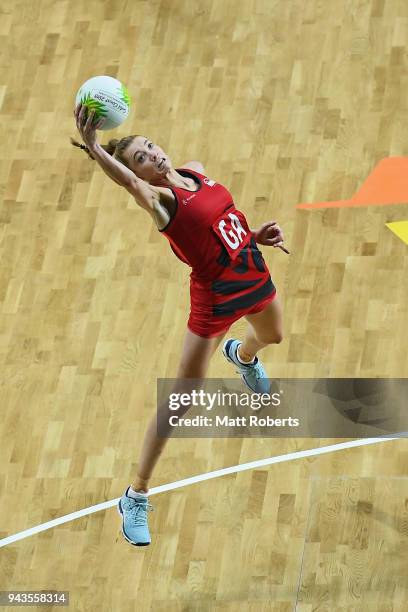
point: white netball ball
(108, 97)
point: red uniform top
(209, 234)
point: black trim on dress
(181, 171)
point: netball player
(229, 277)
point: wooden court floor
(283, 103)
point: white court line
(312, 452)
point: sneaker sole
(119, 509)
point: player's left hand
(269, 234)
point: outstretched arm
(114, 169)
(87, 128)
(143, 193)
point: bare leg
(264, 328)
(194, 362)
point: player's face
(147, 160)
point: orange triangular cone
(387, 184)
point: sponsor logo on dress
(186, 200)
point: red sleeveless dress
(229, 277)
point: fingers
(271, 226)
(273, 241)
(79, 114)
(267, 224)
(278, 232)
(85, 119)
(90, 118)
(82, 113)
(78, 121)
(275, 236)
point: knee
(272, 337)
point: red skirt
(242, 288)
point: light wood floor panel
(356, 545)
(284, 103)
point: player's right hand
(86, 124)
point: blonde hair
(114, 147)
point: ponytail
(114, 147)
(109, 148)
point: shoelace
(138, 513)
(255, 369)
